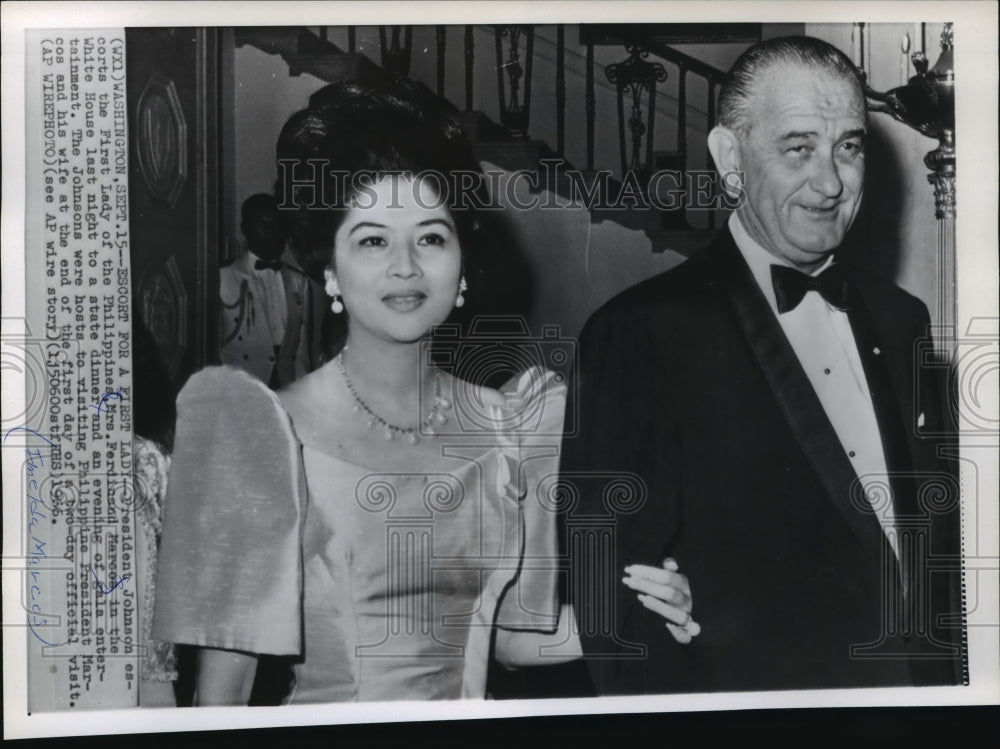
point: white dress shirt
(824, 344)
(269, 294)
(253, 315)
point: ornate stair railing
(396, 54)
(635, 80)
(515, 107)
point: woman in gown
(379, 520)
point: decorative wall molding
(164, 305)
(162, 139)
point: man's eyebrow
(805, 134)
(799, 135)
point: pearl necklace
(389, 431)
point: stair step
(684, 243)
(650, 221)
(335, 68)
(283, 40)
(526, 155)
(514, 155)
(481, 128)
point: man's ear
(725, 149)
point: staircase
(510, 138)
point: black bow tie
(268, 265)
(790, 286)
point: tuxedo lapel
(877, 357)
(794, 394)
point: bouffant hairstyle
(349, 129)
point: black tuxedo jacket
(701, 438)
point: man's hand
(667, 592)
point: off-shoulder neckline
(373, 469)
(515, 395)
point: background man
(270, 312)
(766, 397)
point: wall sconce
(927, 104)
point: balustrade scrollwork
(635, 79)
(513, 78)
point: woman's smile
(404, 301)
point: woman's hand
(665, 591)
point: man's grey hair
(737, 87)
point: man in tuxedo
(270, 311)
(757, 414)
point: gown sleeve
(230, 569)
(536, 401)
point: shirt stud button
(852, 453)
(826, 371)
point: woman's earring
(333, 290)
(462, 288)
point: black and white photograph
(385, 362)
